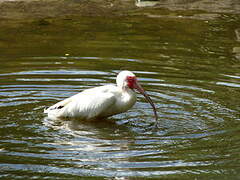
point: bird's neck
(128, 94)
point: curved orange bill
(141, 90)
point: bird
(102, 101)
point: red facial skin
(131, 80)
(133, 84)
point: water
(192, 75)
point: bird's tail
(46, 110)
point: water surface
(187, 66)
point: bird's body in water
(102, 101)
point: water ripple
(193, 122)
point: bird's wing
(86, 105)
(58, 105)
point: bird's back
(88, 104)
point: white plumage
(100, 102)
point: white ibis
(102, 101)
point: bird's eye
(131, 80)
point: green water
(186, 65)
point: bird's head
(128, 80)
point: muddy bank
(21, 9)
(220, 6)
(25, 9)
